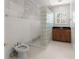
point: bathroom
(30, 23)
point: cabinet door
(57, 35)
(66, 36)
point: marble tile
(54, 50)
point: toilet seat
(22, 48)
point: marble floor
(54, 50)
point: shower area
(46, 24)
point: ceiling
(58, 2)
(39, 3)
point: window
(50, 18)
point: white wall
(21, 25)
(72, 25)
(58, 2)
(72, 22)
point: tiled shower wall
(46, 32)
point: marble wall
(22, 21)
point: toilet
(22, 50)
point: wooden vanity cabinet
(61, 34)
